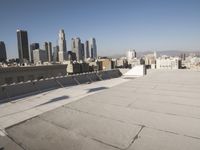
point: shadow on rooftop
(55, 100)
(96, 89)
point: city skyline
(118, 26)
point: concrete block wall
(93, 77)
(66, 81)
(3, 93)
(15, 91)
(81, 78)
(10, 92)
(48, 84)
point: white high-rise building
(93, 48)
(131, 54)
(62, 54)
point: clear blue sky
(117, 25)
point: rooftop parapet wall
(9, 75)
(14, 91)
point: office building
(77, 48)
(165, 62)
(48, 48)
(45, 46)
(131, 54)
(82, 52)
(55, 53)
(33, 46)
(3, 56)
(150, 59)
(23, 48)
(93, 48)
(86, 49)
(106, 64)
(39, 56)
(71, 56)
(62, 54)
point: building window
(20, 79)
(31, 77)
(40, 77)
(8, 80)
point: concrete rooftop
(160, 111)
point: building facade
(86, 49)
(48, 49)
(131, 54)
(33, 46)
(62, 54)
(39, 56)
(168, 63)
(55, 53)
(77, 48)
(23, 48)
(93, 48)
(3, 55)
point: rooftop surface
(160, 111)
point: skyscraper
(23, 50)
(48, 48)
(93, 48)
(3, 55)
(82, 51)
(76, 48)
(87, 53)
(55, 53)
(62, 54)
(39, 56)
(45, 46)
(33, 46)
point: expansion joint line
(89, 78)
(99, 76)
(135, 138)
(59, 84)
(12, 139)
(76, 80)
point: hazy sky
(117, 25)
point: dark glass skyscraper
(23, 50)
(93, 48)
(33, 46)
(48, 49)
(87, 53)
(3, 55)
